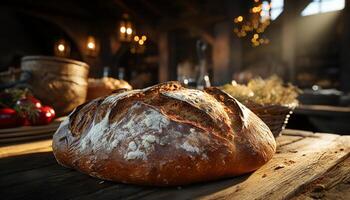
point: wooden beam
(47, 10)
(221, 54)
(198, 21)
(153, 8)
(164, 53)
(288, 37)
(130, 11)
(190, 6)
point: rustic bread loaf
(163, 135)
(104, 86)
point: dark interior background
(303, 50)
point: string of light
(255, 23)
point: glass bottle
(203, 80)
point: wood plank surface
(25, 162)
(335, 184)
(302, 159)
(27, 148)
(306, 159)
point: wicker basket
(275, 116)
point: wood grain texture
(306, 159)
(335, 184)
(27, 148)
(303, 162)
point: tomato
(44, 116)
(9, 118)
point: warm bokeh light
(136, 38)
(61, 47)
(129, 31)
(91, 43)
(256, 9)
(126, 29)
(141, 42)
(240, 18)
(144, 38)
(122, 29)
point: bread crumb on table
(280, 166)
(319, 188)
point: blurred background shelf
(27, 133)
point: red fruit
(45, 115)
(9, 118)
(29, 101)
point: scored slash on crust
(164, 135)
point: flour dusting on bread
(188, 147)
(202, 101)
(137, 137)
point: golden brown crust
(163, 135)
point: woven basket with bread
(270, 99)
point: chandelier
(255, 23)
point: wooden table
(306, 165)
